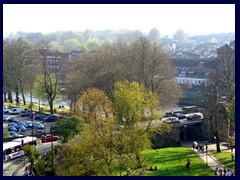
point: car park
(49, 138)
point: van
(16, 110)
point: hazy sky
(167, 18)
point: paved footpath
(209, 159)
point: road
(10, 166)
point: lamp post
(206, 145)
(52, 150)
(185, 137)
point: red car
(49, 138)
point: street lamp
(206, 145)
(185, 137)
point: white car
(171, 120)
(5, 118)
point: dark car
(12, 128)
(194, 117)
(38, 125)
(25, 113)
(29, 124)
(13, 134)
(50, 119)
(5, 118)
(23, 124)
(21, 128)
(40, 117)
(12, 124)
(13, 120)
(180, 116)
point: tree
(180, 36)
(46, 88)
(231, 113)
(67, 128)
(19, 60)
(6, 133)
(32, 153)
(93, 105)
(133, 106)
(48, 80)
(154, 35)
(71, 44)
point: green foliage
(231, 113)
(32, 153)
(133, 104)
(6, 133)
(69, 127)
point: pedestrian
(216, 171)
(225, 171)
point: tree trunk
(10, 97)
(218, 143)
(5, 96)
(139, 164)
(17, 98)
(23, 97)
(51, 106)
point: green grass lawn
(175, 159)
(225, 159)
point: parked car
(6, 110)
(29, 123)
(194, 117)
(23, 124)
(12, 128)
(171, 120)
(21, 128)
(38, 125)
(16, 110)
(13, 134)
(49, 138)
(40, 117)
(180, 116)
(12, 124)
(13, 120)
(50, 119)
(25, 113)
(6, 118)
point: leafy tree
(154, 35)
(6, 133)
(180, 36)
(231, 113)
(93, 105)
(47, 88)
(133, 106)
(55, 46)
(67, 128)
(71, 44)
(32, 153)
